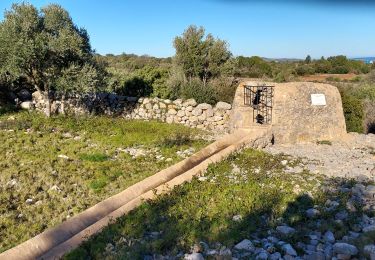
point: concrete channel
(57, 241)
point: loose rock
(344, 248)
(245, 245)
(285, 230)
(289, 250)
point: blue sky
(268, 28)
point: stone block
(197, 111)
(204, 106)
(172, 112)
(189, 102)
(223, 106)
(180, 113)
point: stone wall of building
(187, 112)
(295, 117)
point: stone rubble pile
(186, 112)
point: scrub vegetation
(58, 59)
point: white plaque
(318, 100)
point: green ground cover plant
(251, 184)
(54, 168)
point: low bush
(324, 142)
(371, 76)
(253, 67)
(148, 81)
(366, 91)
(177, 139)
(359, 107)
(136, 87)
(218, 89)
(225, 88)
(283, 75)
(356, 79)
(369, 107)
(333, 79)
(96, 157)
(7, 108)
(305, 70)
(353, 112)
(202, 94)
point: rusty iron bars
(260, 98)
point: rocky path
(353, 159)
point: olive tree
(199, 55)
(78, 79)
(43, 46)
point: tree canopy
(200, 55)
(44, 46)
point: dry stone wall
(187, 112)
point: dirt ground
(323, 77)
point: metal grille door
(260, 99)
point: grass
(324, 142)
(6, 108)
(246, 184)
(67, 164)
(96, 157)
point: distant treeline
(42, 49)
(163, 77)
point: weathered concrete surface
(294, 118)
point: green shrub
(96, 157)
(136, 87)
(340, 70)
(175, 82)
(202, 94)
(253, 67)
(98, 184)
(353, 112)
(15, 124)
(148, 81)
(333, 79)
(369, 107)
(7, 108)
(371, 76)
(364, 92)
(305, 70)
(177, 139)
(283, 76)
(356, 79)
(225, 89)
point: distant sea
(366, 59)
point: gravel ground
(351, 159)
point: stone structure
(292, 112)
(297, 112)
(187, 112)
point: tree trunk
(47, 97)
(63, 104)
